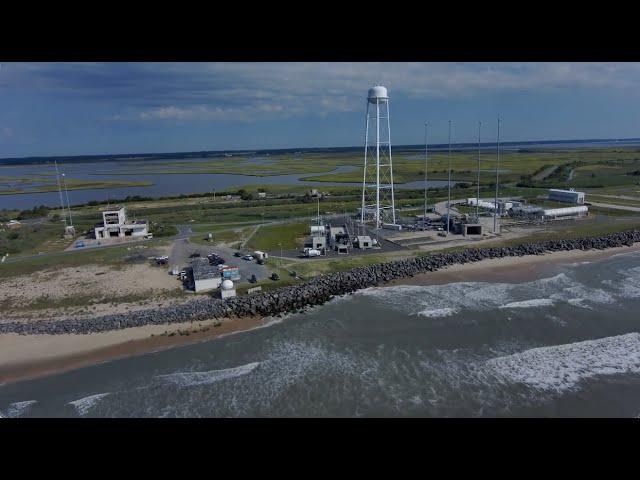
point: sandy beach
(30, 356)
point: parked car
(237, 254)
(260, 261)
(253, 279)
(194, 255)
(275, 277)
(248, 258)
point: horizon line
(471, 144)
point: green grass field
(271, 237)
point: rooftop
(203, 271)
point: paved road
(545, 173)
(616, 207)
(441, 207)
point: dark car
(275, 277)
(253, 279)
(237, 254)
(194, 255)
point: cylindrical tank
(227, 285)
(566, 211)
(378, 93)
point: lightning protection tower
(378, 203)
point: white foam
(533, 303)
(17, 409)
(443, 300)
(437, 312)
(189, 379)
(83, 405)
(562, 367)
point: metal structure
(64, 182)
(495, 212)
(478, 186)
(426, 167)
(378, 202)
(565, 212)
(64, 215)
(449, 184)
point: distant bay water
(108, 167)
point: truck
(311, 252)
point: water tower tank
(378, 93)
(227, 285)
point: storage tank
(566, 211)
(378, 93)
(317, 229)
(227, 285)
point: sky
(115, 108)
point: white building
(568, 196)
(316, 242)
(364, 242)
(205, 276)
(116, 224)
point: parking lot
(182, 249)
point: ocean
(562, 342)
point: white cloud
(246, 91)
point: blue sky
(108, 108)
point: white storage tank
(566, 212)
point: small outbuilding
(363, 242)
(205, 277)
(227, 289)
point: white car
(247, 257)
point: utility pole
(478, 191)
(495, 212)
(449, 189)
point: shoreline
(54, 354)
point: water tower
(378, 204)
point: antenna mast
(426, 167)
(495, 212)
(64, 181)
(449, 189)
(478, 190)
(60, 193)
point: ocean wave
(562, 367)
(189, 379)
(533, 303)
(437, 312)
(17, 409)
(84, 404)
(443, 300)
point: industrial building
(316, 242)
(205, 276)
(364, 242)
(116, 224)
(567, 196)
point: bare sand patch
(90, 289)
